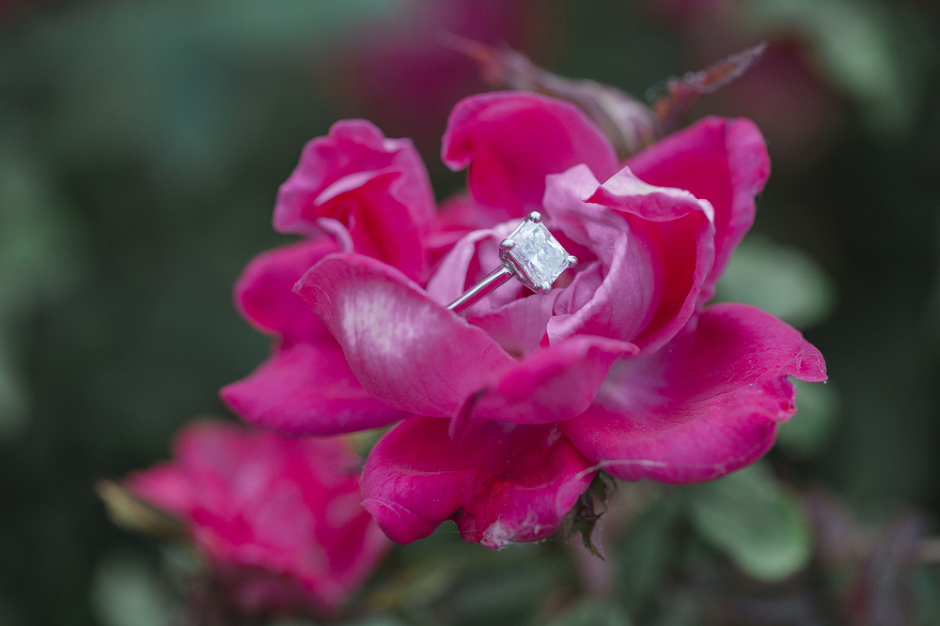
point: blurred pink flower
(279, 519)
(509, 411)
(401, 73)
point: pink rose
(279, 519)
(371, 194)
(512, 408)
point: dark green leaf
(595, 612)
(644, 554)
(781, 280)
(761, 528)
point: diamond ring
(531, 254)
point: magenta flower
(508, 411)
(279, 519)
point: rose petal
(655, 245)
(377, 187)
(468, 262)
(706, 405)
(264, 292)
(549, 385)
(407, 350)
(456, 217)
(307, 389)
(164, 486)
(512, 140)
(502, 483)
(719, 160)
(518, 327)
(268, 509)
(265, 508)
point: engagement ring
(531, 254)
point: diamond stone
(534, 255)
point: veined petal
(502, 483)
(456, 217)
(307, 389)
(278, 519)
(706, 405)
(550, 385)
(655, 246)
(377, 187)
(407, 350)
(519, 327)
(720, 160)
(264, 292)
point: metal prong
(572, 260)
(535, 216)
(507, 244)
(543, 288)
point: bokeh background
(141, 146)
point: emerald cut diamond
(534, 256)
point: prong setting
(533, 255)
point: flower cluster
(279, 519)
(505, 413)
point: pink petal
(518, 327)
(707, 404)
(549, 385)
(377, 187)
(264, 292)
(468, 262)
(502, 483)
(512, 140)
(265, 508)
(407, 350)
(164, 486)
(307, 389)
(655, 247)
(456, 217)
(719, 160)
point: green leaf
(40, 263)
(126, 591)
(761, 528)
(378, 620)
(587, 511)
(644, 554)
(502, 595)
(925, 582)
(595, 612)
(807, 433)
(165, 80)
(14, 404)
(40, 238)
(781, 280)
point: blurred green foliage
(141, 145)
(760, 527)
(877, 52)
(784, 281)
